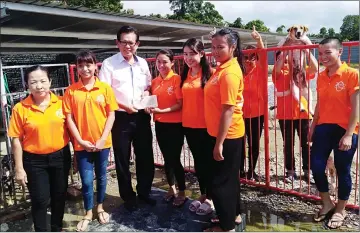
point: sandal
(321, 217)
(84, 222)
(338, 219)
(216, 229)
(194, 206)
(105, 216)
(179, 201)
(216, 220)
(204, 209)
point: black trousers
(136, 129)
(253, 129)
(170, 137)
(199, 142)
(226, 183)
(288, 128)
(47, 176)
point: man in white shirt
(130, 78)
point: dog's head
(297, 31)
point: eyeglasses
(124, 43)
(251, 57)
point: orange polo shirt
(254, 104)
(168, 92)
(90, 109)
(334, 94)
(193, 102)
(225, 87)
(40, 132)
(288, 107)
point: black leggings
(170, 137)
(47, 179)
(199, 143)
(288, 128)
(253, 130)
(226, 183)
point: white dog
(297, 33)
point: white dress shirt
(128, 81)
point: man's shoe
(148, 200)
(131, 205)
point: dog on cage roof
(6, 183)
(299, 85)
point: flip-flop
(215, 220)
(105, 216)
(80, 227)
(204, 209)
(336, 218)
(178, 199)
(194, 206)
(321, 217)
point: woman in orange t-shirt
(168, 126)
(89, 106)
(223, 102)
(193, 79)
(253, 108)
(290, 115)
(41, 150)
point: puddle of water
(262, 221)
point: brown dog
(297, 33)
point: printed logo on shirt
(100, 99)
(59, 113)
(339, 86)
(170, 90)
(214, 80)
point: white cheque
(146, 102)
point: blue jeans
(326, 138)
(86, 162)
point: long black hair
(233, 38)
(198, 47)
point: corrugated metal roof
(73, 28)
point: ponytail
(238, 52)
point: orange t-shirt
(40, 132)
(193, 102)
(334, 104)
(225, 87)
(254, 104)
(288, 107)
(168, 92)
(90, 109)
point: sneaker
(308, 177)
(251, 175)
(290, 177)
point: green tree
(238, 23)
(280, 29)
(323, 32)
(107, 5)
(260, 25)
(331, 32)
(195, 11)
(350, 28)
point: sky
(314, 14)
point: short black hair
(127, 29)
(35, 68)
(334, 40)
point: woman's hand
(99, 144)
(156, 110)
(345, 142)
(20, 176)
(148, 110)
(88, 146)
(255, 34)
(217, 152)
